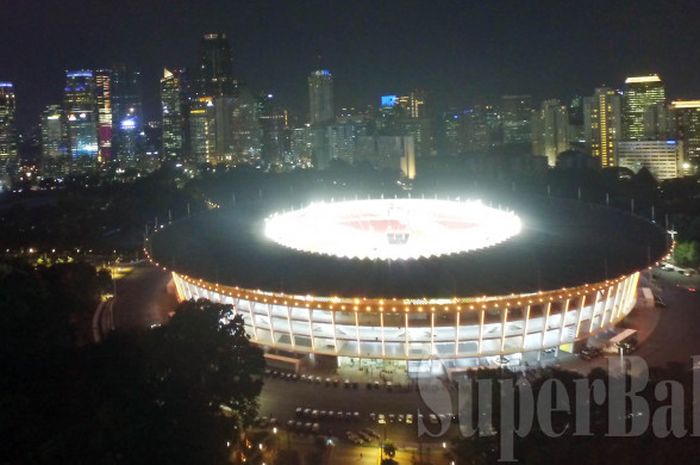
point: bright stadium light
(398, 229)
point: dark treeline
(116, 215)
(179, 393)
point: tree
(687, 253)
(178, 394)
(203, 355)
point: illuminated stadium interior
(395, 229)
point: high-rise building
(55, 153)
(8, 130)
(658, 123)
(413, 103)
(103, 88)
(127, 114)
(404, 115)
(686, 118)
(247, 132)
(451, 140)
(516, 112)
(640, 92)
(576, 132)
(550, 130)
(202, 119)
(482, 128)
(273, 123)
(174, 112)
(300, 147)
(473, 130)
(80, 106)
(602, 121)
(661, 157)
(223, 130)
(215, 73)
(321, 106)
(342, 140)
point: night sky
(466, 51)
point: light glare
(397, 229)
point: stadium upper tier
(555, 244)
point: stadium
(405, 282)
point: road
(677, 335)
(142, 298)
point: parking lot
(356, 413)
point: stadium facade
(474, 325)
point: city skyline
(458, 53)
(349, 232)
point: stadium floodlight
(396, 229)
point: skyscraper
(658, 123)
(215, 74)
(273, 122)
(686, 118)
(202, 125)
(223, 130)
(247, 131)
(103, 86)
(127, 115)
(640, 93)
(482, 128)
(414, 103)
(300, 147)
(321, 107)
(452, 133)
(8, 132)
(516, 111)
(576, 132)
(602, 121)
(174, 111)
(80, 105)
(55, 153)
(404, 115)
(550, 130)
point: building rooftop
(642, 79)
(562, 244)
